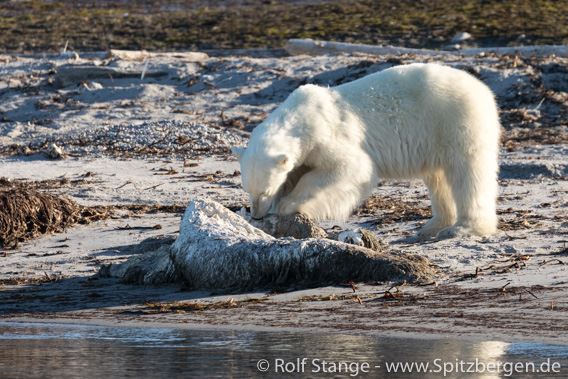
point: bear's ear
(282, 160)
(238, 152)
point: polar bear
(323, 150)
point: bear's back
(413, 80)
(411, 114)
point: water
(69, 351)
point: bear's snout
(260, 206)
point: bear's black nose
(257, 219)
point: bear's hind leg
(474, 188)
(443, 206)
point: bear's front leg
(328, 194)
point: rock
(55, 152)
(220, 249)
(95, 86)
(69, 55)
(452, 47)
(460, 37)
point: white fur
(324, 149)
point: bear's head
(263, 175)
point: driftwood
(73, 74)
(219, 249)
(311, 47)
(143, 55)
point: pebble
(453, 47)
(170, 137)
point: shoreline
(510, 315)
(473, 335)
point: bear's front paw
(287, 207)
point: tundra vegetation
(39, 26)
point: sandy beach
(141, 138)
